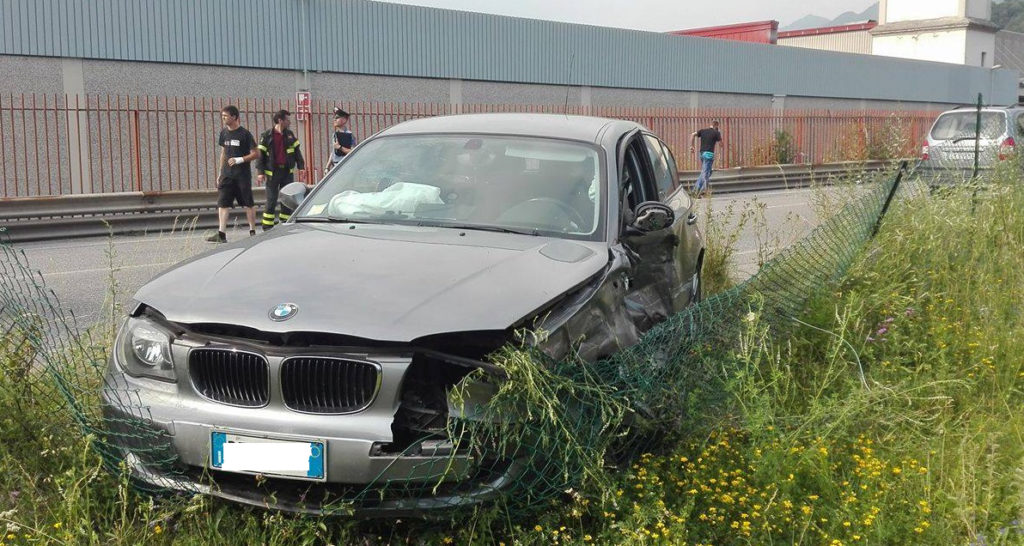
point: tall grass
(888, 414)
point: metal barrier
(35, 219)
(72, 145)
(31, 219)
(781, 177)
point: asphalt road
(93, 276)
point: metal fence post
(977, 138)
(888, 198)
(136, 150)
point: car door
(687, 252)
(652, 271)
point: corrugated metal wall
(847, 42)
(361, 36)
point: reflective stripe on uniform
(262, 147)
(268, 216)
(284, 217)
(293, 170)
(293, 147)
(268, 173)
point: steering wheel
(571, 214)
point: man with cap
(343, 140)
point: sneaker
(252, 233)
(218, 237)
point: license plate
(269, 456)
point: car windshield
(961, 125)
(497, 183)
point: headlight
(146, 350)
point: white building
(948, 31)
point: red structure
(761, 32)
(828, 30)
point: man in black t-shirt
(709, 137)
(234, 184)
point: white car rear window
(957, 125)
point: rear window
(962, 125)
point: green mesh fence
(547, 427)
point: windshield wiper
(496, 229)
(329, 220)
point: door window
(664, 175)
(673, 169)
(637, 185)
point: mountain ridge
(847, 18)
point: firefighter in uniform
(279, 158)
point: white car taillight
(924, 152)
(1006, 149)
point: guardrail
(33, 219)
(781, 177)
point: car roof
(583, 128)
(967, 108)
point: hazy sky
(655, 15)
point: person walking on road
(709, 137)
(234, 184)
(343, 140)
(279, 158)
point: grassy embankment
(895, 419)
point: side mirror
(291, 196)
(653, 216)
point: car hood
(385, 283)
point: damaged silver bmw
(320, 357)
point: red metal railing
(53, 145)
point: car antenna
(565, 109)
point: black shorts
(231, 190)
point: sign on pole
(303, 105)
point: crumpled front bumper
(162, 431)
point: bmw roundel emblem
(283, 312)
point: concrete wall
(978, 9)
(946, 46)
(980, 50)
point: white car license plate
(269, 456)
